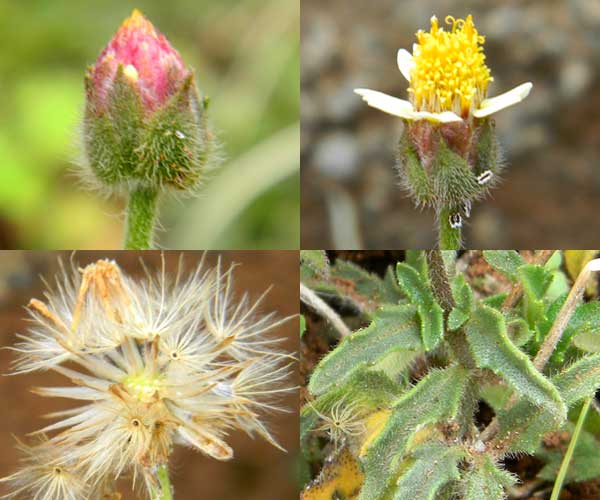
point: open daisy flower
(448, 78)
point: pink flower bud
(145, 124)
(148, 60)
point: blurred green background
(246, 57)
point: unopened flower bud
(144, 121)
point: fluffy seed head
(150, 369)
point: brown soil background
(258, 471)
(550, 193)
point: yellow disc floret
(143, 386)
(449, 72)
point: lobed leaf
(507, 262)
(580, 380)
(535, 280)
(463, 297)
(393, 328)
(316, 261)
(419, 293)
(431, 466)
(486, 482)
(435, 397)
(492, 349)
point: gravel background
(550, 194)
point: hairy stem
(141, 217)
(440, 282)
(448, 236)
(166, 490)
(440, 285)
(564, 466)
(313, 301)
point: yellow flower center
(449, 72)
(143, 386)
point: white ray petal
(444, 117)
(514, 96)
(386, 103)
(405, 63)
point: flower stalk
(141, 218)
(166, 489)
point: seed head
(150, 370)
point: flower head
(448, 77)
(144, 123)
(149, 370)
(147, 60)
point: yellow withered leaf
(373, 424)
(575, 260)
(339, 478)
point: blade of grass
(564, 466)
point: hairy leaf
(463, 297)
(416, 259)
(505, 261)
(316, 261)
(419, 293)
(535, 280)
(430, 467)
(580, 380)
(435, 397)
(393, 328)
(486, 482)
(522, 427)
(492, 349)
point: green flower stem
(166, 490)
(564, 466)
(449, 237)
(141, 217)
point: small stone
(337, 156)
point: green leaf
(486, 482)
(427, 471)
(435, 397)
(580, 380)
(584, 464)
(583, 328)
(495, 301)
(302, 325)
(417, 289)
(535, 280)
(518, 331)
(523, 426)
(316, 261)
(492, 349)
(416, 259)
(369, 286)
(463, 297)
(505, 261)
(393, 328)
